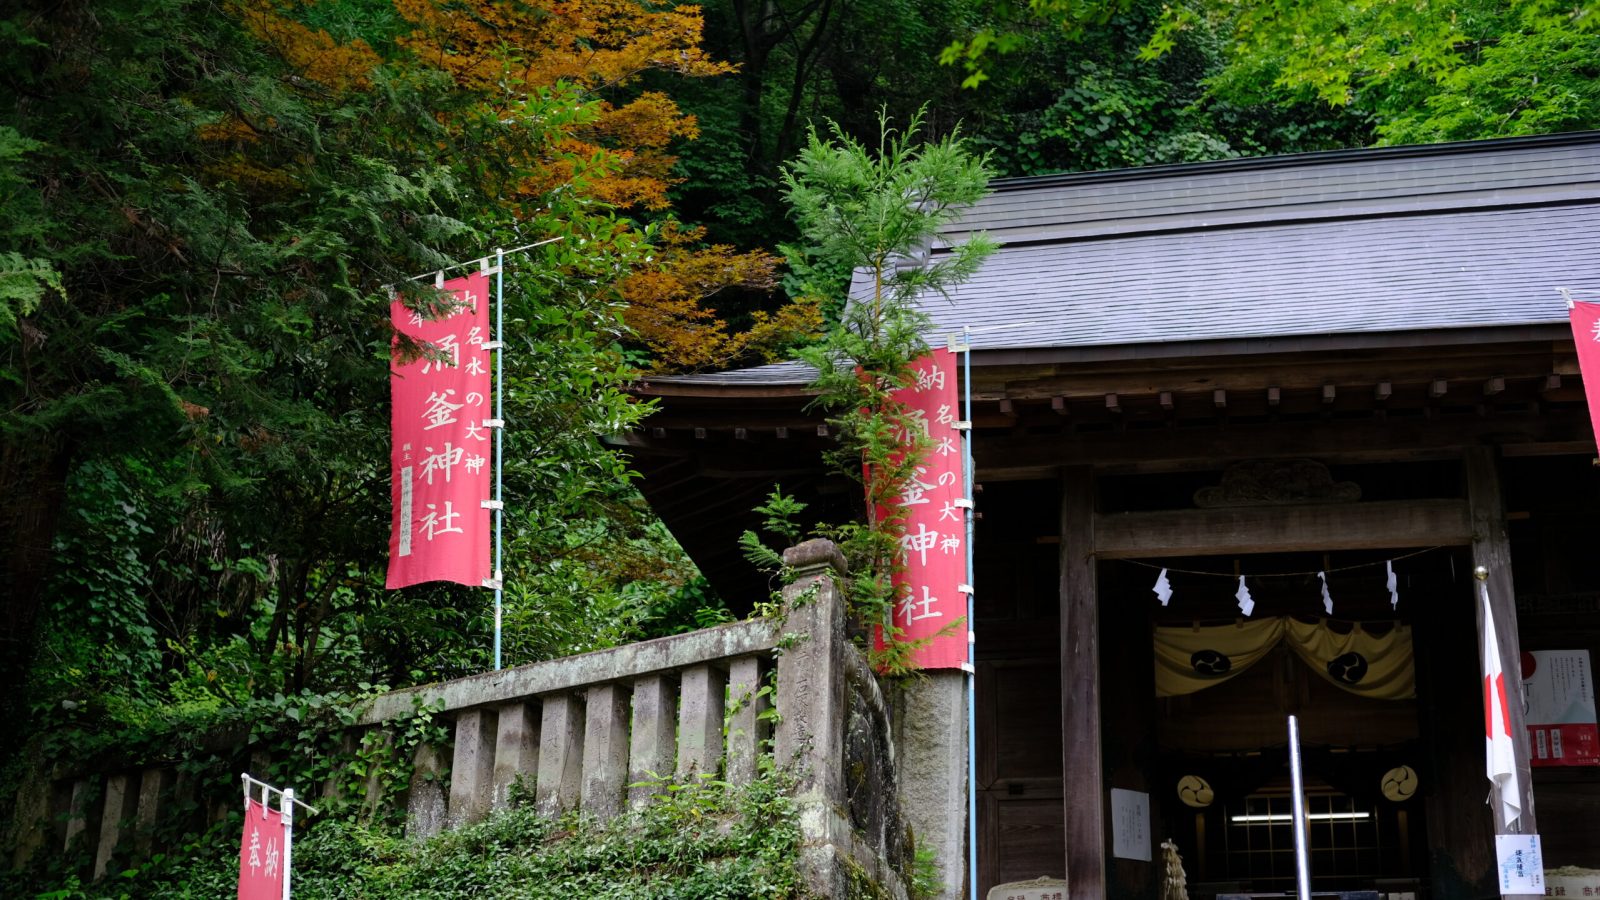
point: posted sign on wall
(1558, 687)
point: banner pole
(972, 644)
(286, 807)
(499, 435)
(1297, 806)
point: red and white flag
(441, 447)
(1501, 757)
(261, 860)
(934, 549)
(1586, 334)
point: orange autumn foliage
(506, 50)
(667, 310)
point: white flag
(1500, 756)
(1327, 598)
(1247, 605)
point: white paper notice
(1130, 824)
(1521, 863)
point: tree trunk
(33, 481)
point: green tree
(1418, 72)
(874, 211)
(201, 206)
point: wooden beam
(1491, 551)
(1083, 793)
(1282, 529)
(1187, 447)
(1310, 374)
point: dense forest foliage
(202, 206)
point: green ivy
(698, 841)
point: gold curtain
(1381, 666)
(1372, 665)
(1192, 659)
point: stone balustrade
(595, 731)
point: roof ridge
(1293, 160)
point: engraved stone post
(560, 755)
(472, 769)
(605, 750)
(516, 749)
(653, 752)
(746, 728)
(700, 721)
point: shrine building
(1298, 376)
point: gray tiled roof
(1409, 239)
(1455, 270)
(1304, 186)
(783, 373)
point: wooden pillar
(1081, 788)
(1491, 549)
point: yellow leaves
(311, 52)
(230, 129)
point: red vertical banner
(441, 449)
(933, 548)
(261, 853)
(1586, 334)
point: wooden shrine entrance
(1045, 777)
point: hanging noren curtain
(1375, 663)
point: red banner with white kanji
(441, 447)
(261, 853)
(1586, 334)
(933, 548)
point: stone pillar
(472, 768)
(121, 803)
(559, 787)
(605, 750)
(746, 727)
(700, 721)
(153, 786)
(79, 826)
(930, 735)
(812, 712)
(31, 821)
(653, 751)
(516, 750)
(378, 742)
(425, 806)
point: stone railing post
(812, 709)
